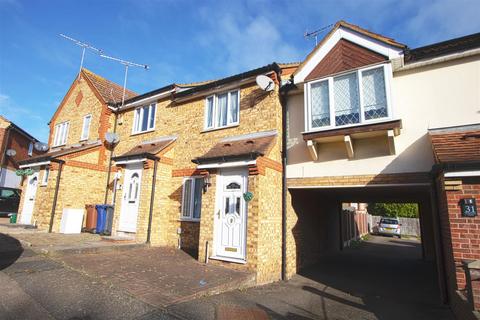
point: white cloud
(239, 42)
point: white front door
(231, 215)
(131, 197)
(29, 200)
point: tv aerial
(265, 83)
(127, 64)
(314, 34)
(84, 46)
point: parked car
(390, 227)
(9, 201)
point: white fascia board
(342, 33)
(473, 173)
(35, 164)
(226, 164)
(151, 99)
(130, 161)
(359, 185)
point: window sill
(142, 132)
(383, 125)
(189, 220)
(220, 128)
(82, 140)
(43, 185)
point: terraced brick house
(73, 171)
(200, 167)
(371, 120)
(12, 137)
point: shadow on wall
(10, 250)
(316, 231)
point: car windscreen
(389, 221)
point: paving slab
(159, 276)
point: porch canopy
(457, 150)
(237, 150)
(55, 153)
(145, 150)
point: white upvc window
(349, 99)
(144, 118)
(30, 149)
(61, 134)
(222, 110)
(87, 120)
(46, 173)
(192, 198)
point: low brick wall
(410, 226)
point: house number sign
(469, 207)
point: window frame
(30, 149)
(137, 128)
(192, 200)
(215, 110)
(387, 74)
(61, 140)
(82, 135)
(45, 177)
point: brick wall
(461, 235)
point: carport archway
(318, 236)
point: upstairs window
(222, 110)
(192, 198)
(86, 127)
(350, 99)
(30, 149)
(144, 118)
(61, 134)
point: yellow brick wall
(74, 113)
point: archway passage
(392, 276)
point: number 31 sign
(469, 207)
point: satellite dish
(11, 152)
(265, 83)
(112, 138)
(40, 146)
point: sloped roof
(62, 151)
(468, 42)
(344, 24)
(456, 144)
(345, 55)
(248, 146)
(147, 148)
(20, 130)
(108, 90)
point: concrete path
(383, 278)
(36, 287)
(159, 276)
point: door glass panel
(227, 205)
(133, 188)
(233, 186)
(237, 205)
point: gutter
(110, 160)
(247, 156)
(152, 200)
(283, 91)
(55, 195)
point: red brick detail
(461, 235)
(79, 98)
(345, 55)
(166, 160)
(187, 172)
(263, 163)
(79, 153)
(254, 170)
(85, 165)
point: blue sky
(185, 41)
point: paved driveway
(383, 278)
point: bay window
(144, 118)
(61, 134)
(192, 198)
(349, 99)
(222, 110)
